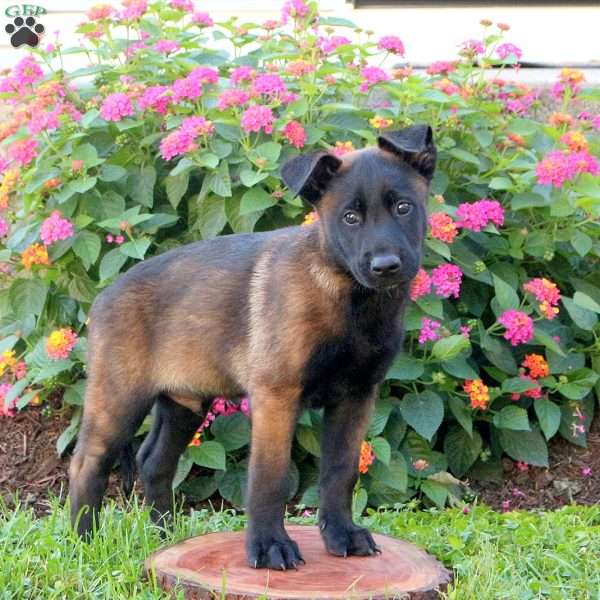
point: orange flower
(572, 76)
(9, 182)
(515, 138)
(60, 343)
(380, 122)
(575, 140)
(537, 365)
(7, 361)
(36, 254)
(557, 119)
(366, 457)
(478, 393)
(342, 148)
(52, 183)
(311, 217)
(196, 440)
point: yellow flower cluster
(36, 254)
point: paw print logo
(24, 31)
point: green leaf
(359, 502)
(439, 247)
(394, 475)
(465, 156)
(406, 368)
(380, 417)
(176, 186)
(211, 216)
(548, 414)
(505, 294)
(141, 186)
(256, 199)
(517, 385)
(250, 178)
(450, 347)
(87, 247)
(200, 488)
(184, 466)
(269, 151)
(88, 154)
(233, 485)
(232, 431)
(424, 412)
(432, 306)
(459, 367)
(8, 343)
(579, 385)
(111, 173)
(308, 439)
(526, 446)
(209, 454)
(436, 492)
(28, 297)
(75, 393)
(541, 337)
(527, 200)
(111, 263)
(461, 450)
(585, 301)
(219, 181)
(512, 417)
(310, 497)
(136, 248)
(461, 413)
(382, 450)
(582, 317)
(581, 242)
(68, 435)
(500, 183)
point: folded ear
(414, 145)
(308, 175)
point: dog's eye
(403, 208)
(351, 218)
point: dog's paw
(24, 31)
(347, 539)
(273, 551)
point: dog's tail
(127, 468)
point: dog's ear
(308, 175)
(414, 145)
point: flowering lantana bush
(176, 131)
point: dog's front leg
(274, 414)
(344, 427)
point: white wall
(546, 34)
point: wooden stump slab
(214, 566)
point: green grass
(494, 556)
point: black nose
(388, 264)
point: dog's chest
(348, 366)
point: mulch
(31, 469)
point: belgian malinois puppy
(299, 317)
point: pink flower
(294, 9)
(505, 50)
(477, 215)
(203, 19)
(269, 84)
(166, 46)
(116, 106)
(10, 410)
(392, 44)
(23, 151)
(60, 343)
(185, 5)
(55, 228)
(257, 117)
(134, 9)
(297, 68)
(197, 126)
(232, 97)
(295, 134)
(27, 71)
(3, 227)
(429, 331)
(176, 143)
(522, 466)
(586, 471)
(465, 330)
(372, 76)
(205, 75)
(505, 505)
(441, 67)
(99, 12)
(546, 293)
(558, 167)
(77, 165)
(420, 286)
(42, 120)
(157, 98)
(331, 44)
(442, 227)
(186, 89)
(245, 406)
(519, 327)
(119, 239)
(473, 47)
(241, 74)
(446, 279)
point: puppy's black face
(374, 219)
(372, 203)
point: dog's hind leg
(111, 416)
(173, 429)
